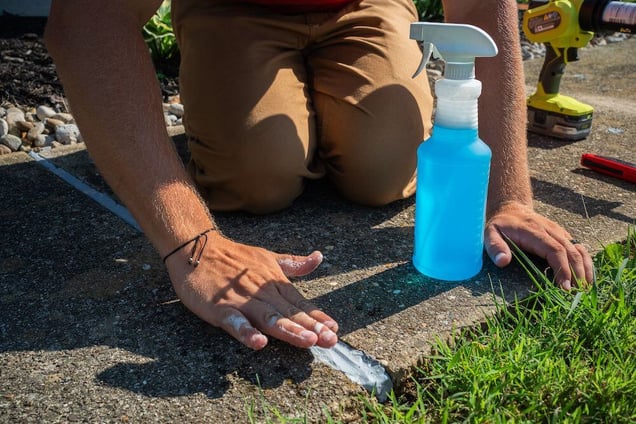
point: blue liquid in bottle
(452, 183)
(453, 165)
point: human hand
(540, 236)
(245, 291)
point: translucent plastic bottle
(454, 163)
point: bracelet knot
(200, 241)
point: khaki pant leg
(372, 114)
(248, 112)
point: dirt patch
(27, 74)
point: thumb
(297, 266)
(496, 247)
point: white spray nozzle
(457, 44)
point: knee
(376, 184)
(269, 195)
(253, 190)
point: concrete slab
(91, 330)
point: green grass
(554, 357)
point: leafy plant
(159, 35)
(430, 10)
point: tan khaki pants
(273, 99)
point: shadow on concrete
(621, 184)
(72, 276)
(547, 143)
(565, 198)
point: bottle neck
(457, 103)
(457, 114)
(455, 136)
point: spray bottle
(453, 165)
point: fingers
(276, 309)
(301, 311)
(588, 264)
(237, 326)
(297, 329)
(571, 262)
(532, 232)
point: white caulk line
(358, 366)
(97, 196)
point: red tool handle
(610, 166)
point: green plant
(430, 10)
(159, 35)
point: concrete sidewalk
(90, 329)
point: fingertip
(501, 259)
(298, 266)
(256, 341)
(240, 328)
(566, 285)
(316, 256)
(327, 339)
(309, 337)
(332, 325)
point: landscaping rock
(14, 115)
(24, 126)
(36, 131)
(176, 109)
(171, 119)
(30, 116)
(67, 118)
(67, 134)
(41, 140)
(11, 141)
(4, 150)
(4, 127)
(52, 123)
(44, 112)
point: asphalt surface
(90, 329)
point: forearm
(502, 109)
(114, 95)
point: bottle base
(446, 275)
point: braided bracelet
(192, 261)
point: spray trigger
(428, 49)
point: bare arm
(107, 72)
(502, 124)
(502, 113)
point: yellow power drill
(564, 26)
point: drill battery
(565, 126)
